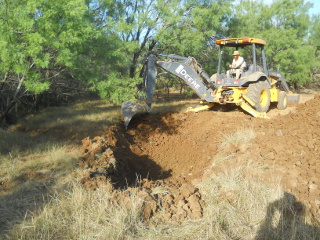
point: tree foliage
(39, 39)
(284, 25)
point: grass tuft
(242, 135)
(160, 190)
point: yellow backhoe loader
(253, 90)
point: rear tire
(282, 100)
(259, 94)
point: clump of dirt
(165, 155)
(165, 201)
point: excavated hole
(120, 156)
(133, 162)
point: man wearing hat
(237, 66)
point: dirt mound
(291, 144)
(164, 155)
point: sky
(314, 10)
(316, 7)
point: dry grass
(22, 154)
(82, 214)
(173, 106)
(241, 206)
(30, 169)
(238, 206)
(72, 122)
(84, 119)
(242, 135)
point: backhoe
(253, 91)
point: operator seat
(249, 71)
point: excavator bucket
(129, 108)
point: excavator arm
(186, 68)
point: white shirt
(240, 63)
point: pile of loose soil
(164, 155)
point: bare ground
(165, 155)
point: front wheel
(259, 94)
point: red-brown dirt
(164, 155)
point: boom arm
(186, 68)
(282, 80)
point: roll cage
(237, 43)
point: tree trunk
(134, 64)
(18, 94)
(7, 110)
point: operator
(237, 66)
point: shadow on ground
(21, 201)
(285, 219)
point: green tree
(129, 27)
(39, 39)
(284, 25)
(180, 27)
(135, 23)
(193, 32)
(314, 40)
(195, 29)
